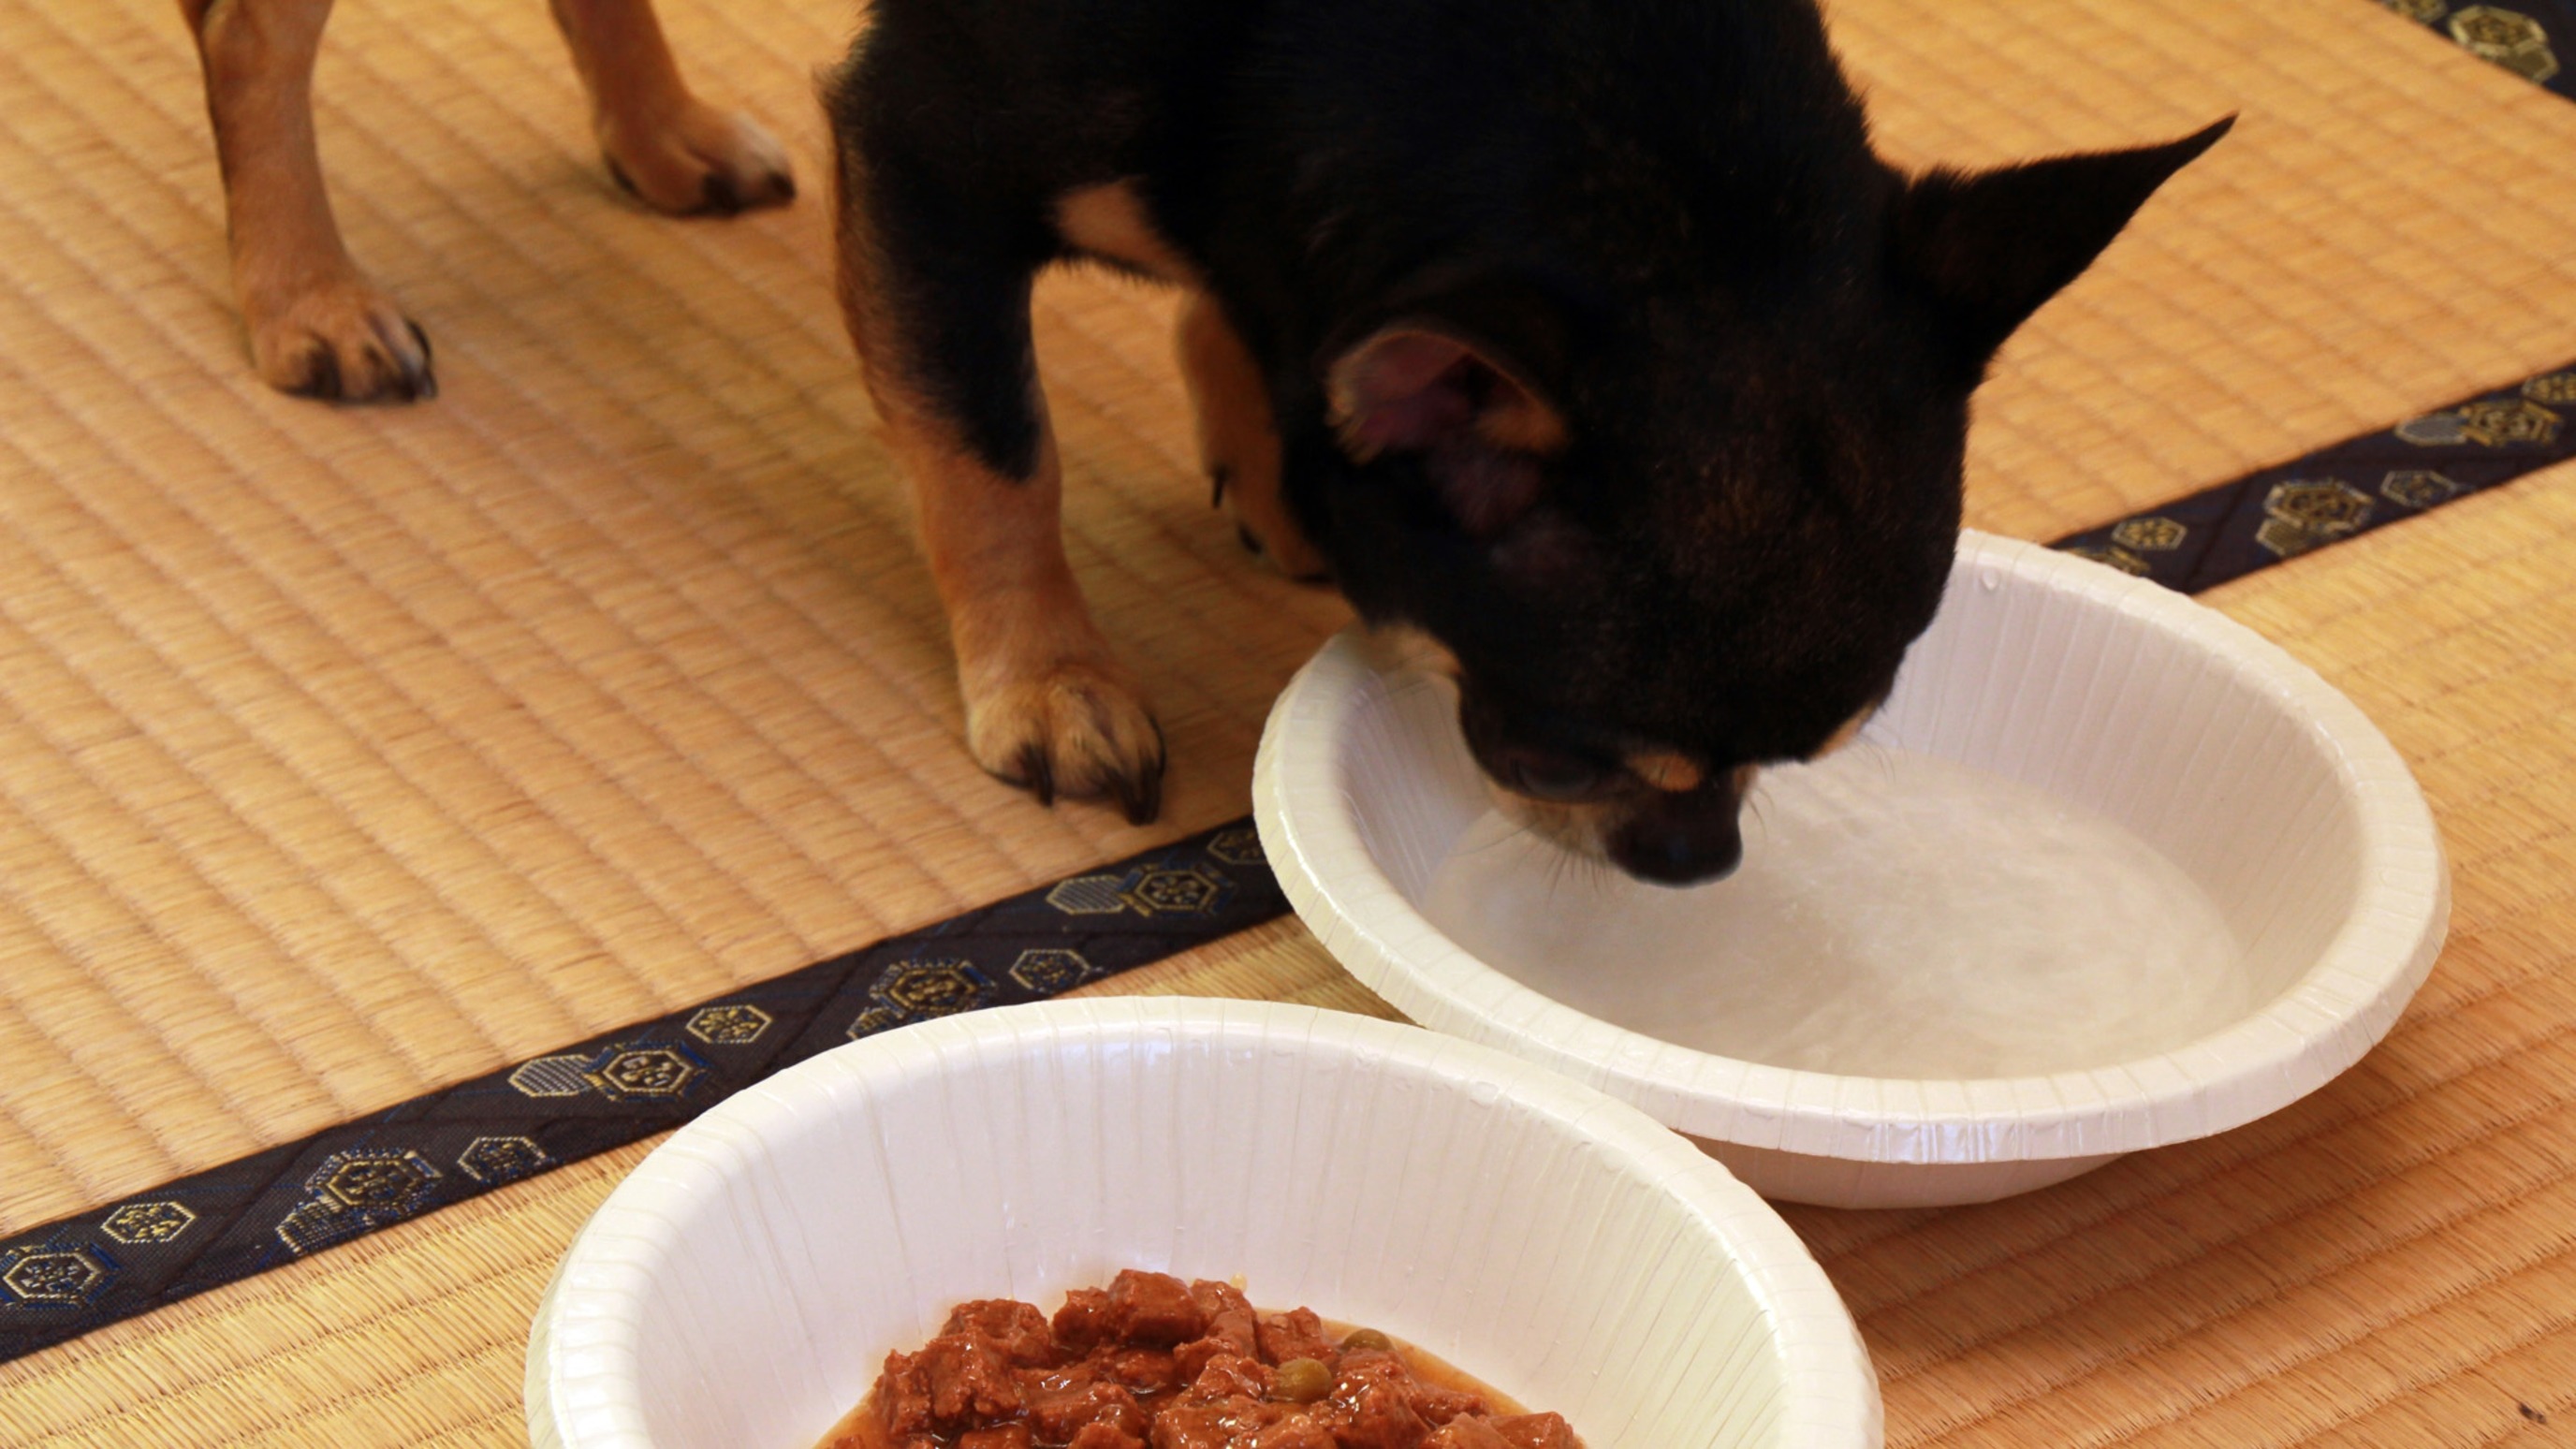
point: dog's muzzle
(1684, 839)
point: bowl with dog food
(1200, 1224)
(2106, 871)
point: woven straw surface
(345, 753)
(2390, 1264)
(2386, 228)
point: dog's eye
(1546, 775)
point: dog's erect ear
(1988, 249)
(1480, 425)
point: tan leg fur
(662, 143)
(316, 326)
(1048, 706)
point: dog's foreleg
(316, 326)
(1238, 441)
(936, 292)
(664, 144)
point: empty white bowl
(2108, 871)
(742, 1288)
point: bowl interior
(742, 1290)
(2077, 834)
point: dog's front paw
(1074, 728)
(699, 159)
(342, 341)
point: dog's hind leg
(935, 284)
(1238, 442)
(316, 326)
(662, 143)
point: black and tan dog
(317, 327)
(1589, 336)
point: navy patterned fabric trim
(2522, 37)
(63, 1279)
(2368, 482)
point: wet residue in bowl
(1897, 915)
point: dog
(317, 327)
(1590, 337)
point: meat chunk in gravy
(1152, 1362)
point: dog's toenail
(1141, 796)
(322, 376)
(1141, 799)
(421, 382)
(1037, 774)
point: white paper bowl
(742, 1288)
(2266, 787)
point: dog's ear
(1481, 426)
(1988, 249)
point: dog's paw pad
(1075, 729)
(701, 161)
(343, 342)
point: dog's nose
(1679, 848)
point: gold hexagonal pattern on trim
(2555, 387)
(931, 988)
(374, 1181)
(54, 1275)
(1048, 970)
(2509, 38)
(1163, 891)
(2417, 488)
(491, 1160)
(2498, 423)
(148, 1222)
(646, 1072)
(2150, 535)
(2329, 507)
(736, 1025)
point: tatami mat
(2390, 1264)
(2386, 229)
(347, 753)
(344, 753)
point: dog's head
(1681, 523)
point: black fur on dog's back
(1662, 218)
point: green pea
(1369, 1338)
(1304, 1380)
